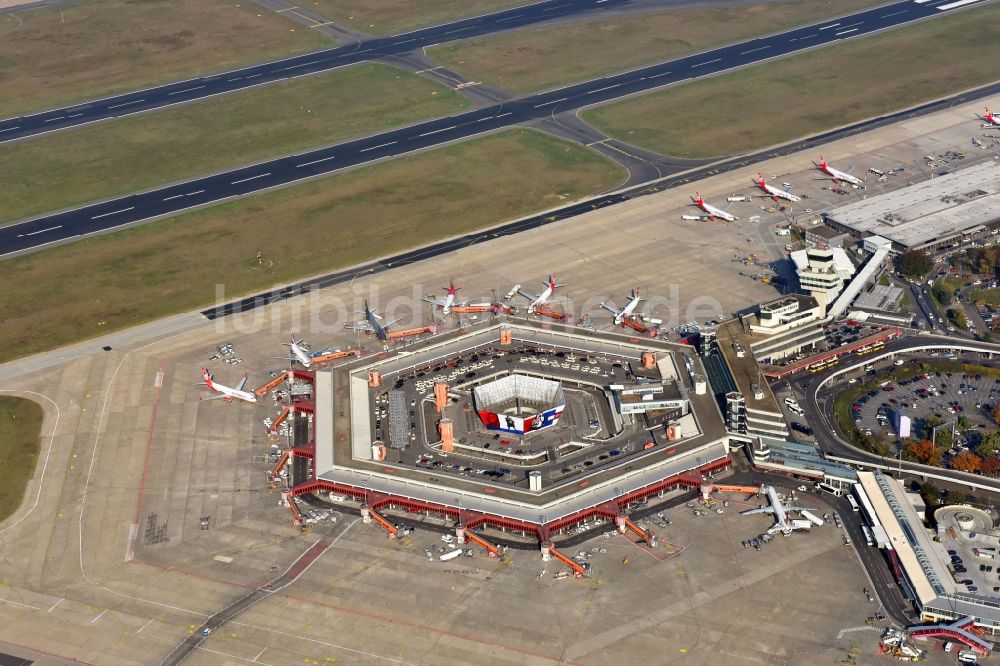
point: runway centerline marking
(54, 119)
(114, 212)
(707, 62)
(323, 159)
(845, 32)
(191, 194)
(243, 180)
(176, 196)
(445, 129)
(41, 231)
(603, 89)
(759, 48)
(116, 106)
(509, 18)
(178, 92)
(832, 25)
(10, 129)
(555, 101)
(656, 76)
(381, 145)
(303, 64)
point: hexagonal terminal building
(515, 424)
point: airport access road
(190, 90)
(130, 209)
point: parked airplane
(227, 393)
(773, 191)
(372, 324)
(782, 522)
(543, 298)
(626, 312)
(299, 354)
(990, 120)
(712, 211)
(838, 175)
(449, 299)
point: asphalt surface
(140, 101)
(169, 200)
(818, 408)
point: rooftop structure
(595, 456)
(929, 214)
(923, 564)
(822, 271)
(799, 460)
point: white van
(948, 646)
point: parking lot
(963, 398)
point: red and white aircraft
(544, 297)
(773, 191)
(227, 393)
(712, 211)
(449, 299)
(627, 311)
(989, 120)
(837, 175)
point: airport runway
(189, 90)
(172, 199)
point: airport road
(190, 90)
(172, 199)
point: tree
(989, 444)
(963, 422)
(930, 493)
(954, 497)
(924, 452)
(941, 293)
(914, 264)
(957, 317)
(966, 462)
(995, 413)
(990, 466)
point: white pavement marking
(48, 452)
(18, 603)
(257, 656)
(845, 32)
(127, 103)
(10, 129)
(656, 76)
(707, 62)
(54, 119)
(617, 85)
(114, 212)
(191, 194)
(953, 5)
(759, 48)
(139, 630)
(315, 161)
(99, 616)
(505, 114)
(436, 131)
(832, 25)
(53, 607)
(236, 182)
(304, 64)
(894, 13)
(178, 92)
(555, 101)
(133, 531)
(381, 145)
(41, 231)
(509, 18)
(176, 196)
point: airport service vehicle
(543, 298)
(782, 522)
(372, 324)
(990, 120)
(854, 503)
(773, 191)
(451, 555)
(626, 312)
(227, 393)
(712, 211)
(835, 174)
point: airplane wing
(216, 396)
(284, 358)
(243, 382)
(359, 326)
(394, 321)
(791, 507)
(530, 297)
(763, 509)
(433, 301)
(610, 309)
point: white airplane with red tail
(844, 176)
(227, 393)
(543, 298)
(773, 191)
(712, 211)
(989, 120)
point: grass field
(832, 86)
(991, 296)
(385, 17)
(58, 170)
(64, 294)
(82, 50)
(20, 442)
(542, 58)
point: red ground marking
(149, 447)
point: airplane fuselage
(544, 297)
(380, 332)
(229, 391)
(838, 175)
(713, 211)
(300, 355)
(775, 193)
